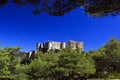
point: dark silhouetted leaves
(97, 8)
(3, 2)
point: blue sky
(20, 27)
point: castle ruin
(52, 45)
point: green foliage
(41, 67)
(107, 59)
(66, 64)
(113, 76)
(8, 62)
(14, 59)
(78, 63)
(4, 63)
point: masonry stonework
(52, 45)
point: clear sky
(20, 27)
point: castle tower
(39, 46)
(74, 45)
(63, 45)
(49, 45)
(80, 45)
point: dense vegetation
(66, 64)
(60, 7)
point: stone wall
(74, 45)
(52, 45)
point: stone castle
(52, 45)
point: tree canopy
(66, 64)
(97, 8)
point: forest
(66, 64)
